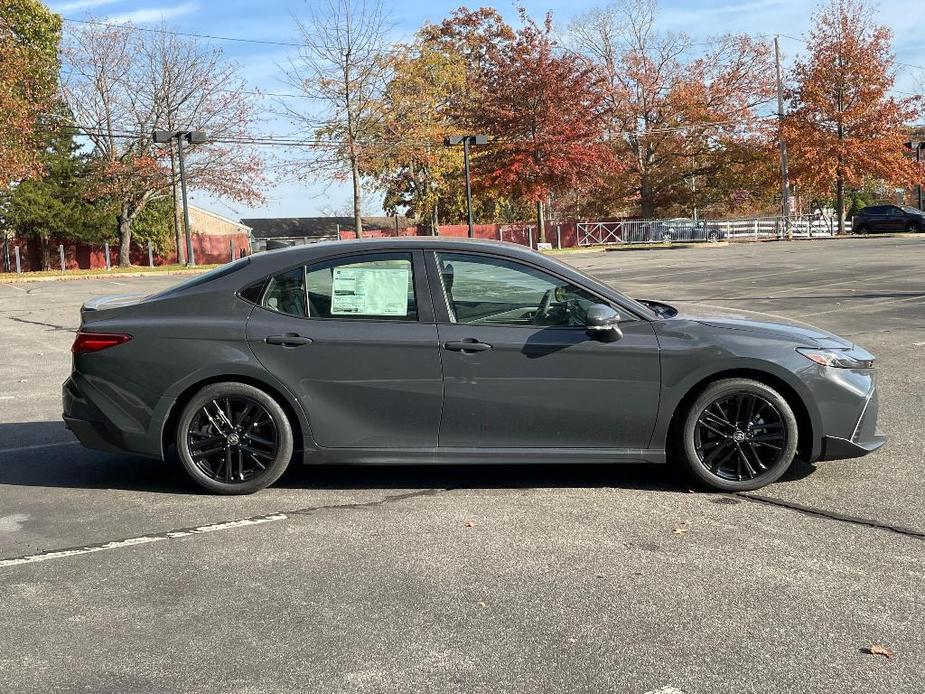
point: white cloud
(154, 14)
(78, 5)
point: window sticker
(361, 291)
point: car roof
(448, 243)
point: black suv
(888, 218)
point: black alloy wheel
(234, 438)
(913, 227)
(739, 435)
(864, 229)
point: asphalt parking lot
(462, 579)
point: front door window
(481, 290)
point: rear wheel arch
(796, 402)
(293, 413)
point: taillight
(94, 342)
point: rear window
(205, 278)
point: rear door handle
(467, 346)
(288, 340)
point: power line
(189, 34)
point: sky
(273, 20)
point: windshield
(196, 280)
(913, 210)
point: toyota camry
(434, 350)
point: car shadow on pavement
(44, 454)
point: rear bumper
(99, 423)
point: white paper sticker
(362, 291)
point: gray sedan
(429, 350)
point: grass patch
(133, 271)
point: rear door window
(379, 287)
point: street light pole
(190, 258)
(917, 146)
(193, 137)
(466, 140)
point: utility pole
(193, 137)
(917, 146)
(466, 140)
(784, 177)
(176, 205)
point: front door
(520, 369)
(354, 339)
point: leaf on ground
(470, 524)
(877, 649)
(681, 529)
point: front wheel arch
(800, 411)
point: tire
(913, 227)
(713, 237)
(734, 456)
(864, 229)
(233, 438)
(666, 237)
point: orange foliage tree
(843, 125)
(29, 36)
(544, 113)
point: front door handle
(288, 340)
(467, 346)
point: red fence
(207, 249)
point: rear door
(354, 338)
(521, 369)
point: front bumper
(864, 437)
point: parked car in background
(884, 218)
(435, 350)
(683, 229)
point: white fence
(629, 231)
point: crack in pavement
(211, 527)
(831, 515)
(47, 325)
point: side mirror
(602, 322)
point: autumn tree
(121, 84)
(843, 125)
(544, 112)
(340, 69)
(674, 119)
(410, 162)
(29, 36)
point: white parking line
(38, 445)
(142, 540)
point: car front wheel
(738, 435)
(913, 227)
(233, 438)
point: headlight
(836, 358)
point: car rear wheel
(713, 237)
(233, 438)
(739, 435)
(864, 229)
(913, 227)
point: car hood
(752, 321)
